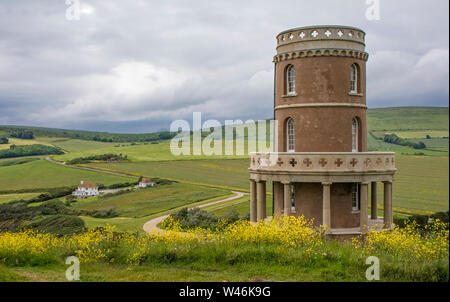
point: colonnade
(283, 204)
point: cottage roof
(87, 184)
(146, 180)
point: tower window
(290, 135)
(290, 79)
(355, 197)
(292, 197)
(355, 127)
(354, 79)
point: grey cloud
(137, 65)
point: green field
(137, 152)
(408, 118)
(146, 202)
(4, 198)
(421, 134)
(75, 145)
(42, 174)
(18, 141)
(219, 172)
(421, 182)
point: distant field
(153, 200)
(421, 182)
(229, 173)
(408, 118)
(18, 141)
(434, 146)
(137, 152)
(42, 174)
(420, 134)
(75, 145)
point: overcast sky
(135, 65)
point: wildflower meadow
(283, 248)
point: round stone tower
(321, 168)
(321, 85)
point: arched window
(290, 79)
(355, 128)
(290, 135)
(354, 78)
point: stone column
(363, 204)
(326, 205)
(261, 187)
(287, 198)
(252, 201)
(279, 198)
(374, 202)
(387, 204)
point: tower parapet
(321, 37)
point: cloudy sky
(135, 65)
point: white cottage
(86, 189)
(145, 182)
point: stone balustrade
(323, 162)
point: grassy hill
(42, 174)
(88, 135)
(408, 118)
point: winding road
(151, 226)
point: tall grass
(261, 249)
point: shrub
(57, 224)
(420, 221)
(23, 134)
(394, 139)
(409, 242)
(442, 216)
(29, 150)
(104, 213)
(189, 219)
(14, 216)
(101, 157)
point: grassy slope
(408, 118)
(75, 145)
(4, 198)
(152, 200)
(229, 173)
(138, 152)
(42, 174)
(421, 182)
(18, 141)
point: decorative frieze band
(321, 105)
(323, 162)
(327, 52)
